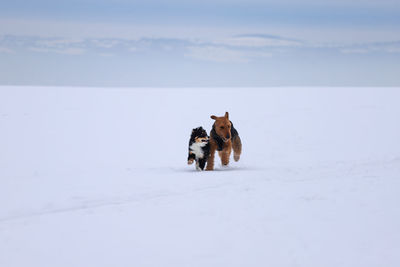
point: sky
(205, 43)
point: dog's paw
(190, 161)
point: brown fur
(222, 126)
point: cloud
(106, 55)
(223, 54)
(106, 43)
(59, 42)
(217, 32)
(6, 50)
(240, 48)
(259, 40)
(389, 47)
(392, 49)
(354, 51)
(216, 54)
(66, 51)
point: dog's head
(222, 126)
(199, 135)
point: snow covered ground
(98, 177)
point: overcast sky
(204, 43)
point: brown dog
(224, 138)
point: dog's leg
(198, 165)
(210, 161)
(202, 163)
(225, 154)
(191, 157)
(237, 147)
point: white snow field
(98, 177)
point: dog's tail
(236, 144)
(237, 148)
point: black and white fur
(199, 148)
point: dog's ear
(213, 117)
(227, 115)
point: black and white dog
(199, 148)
